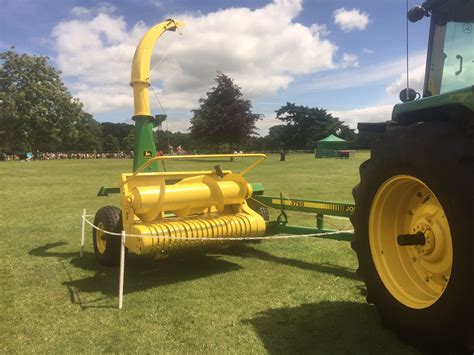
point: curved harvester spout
(141, 65)
(140, 81)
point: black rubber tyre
(107, 249)
(441, 155)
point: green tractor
(414, 215)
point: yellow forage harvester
(201, 204)
(165, 211)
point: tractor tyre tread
(442, 155)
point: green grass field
(283, 296)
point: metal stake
(122, 267)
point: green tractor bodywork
(435, 108)
(413, 206)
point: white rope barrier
(124, 235)
(337, 217)
(284, 236)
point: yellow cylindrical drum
(188, 196)
(192, 232)
(145, 199)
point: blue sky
(345, 56)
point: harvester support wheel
(107, 246)
(414, 228)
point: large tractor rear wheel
(107, 246)
(414, 231)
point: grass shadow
(325, 327)
(339, 327)
(141, 273)
(244, 250)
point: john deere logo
(147, 154)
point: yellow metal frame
(415, 275)
(203, 156)
(202, 204)
(140, 80)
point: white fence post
(83, 231)
(122, 267)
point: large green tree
(224, 116)
(119, 130)
(36, 110)
(276, 137)
(89, 135)
(175, 139)
(305, 126)
(111, 144)
(128, 143)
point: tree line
(37, 113)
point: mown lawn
(283, 296)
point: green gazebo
(329, 147)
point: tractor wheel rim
(99, 241)
(415, 275)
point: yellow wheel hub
(416, 275)
(99, 241)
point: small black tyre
(419, 179)
(107, 246)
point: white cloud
(381, 73)
(320, 29)
(157, 3)
(102, 98)
(351, 20)
(394, 69)
(80, 11)
(367, 114)
(367, 51)
(101, 7)
(349, 60)
(105, 7)
(416, 78)
(267, 121)
(97, 53)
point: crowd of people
(92, 155)
(179, 150)
(67, 155)
(79, 155)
